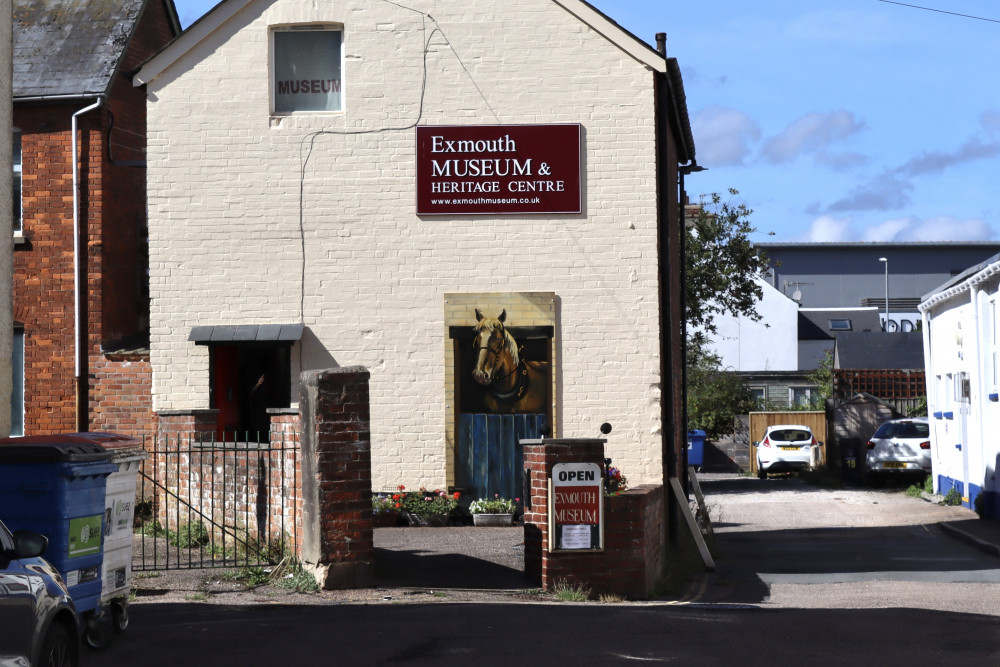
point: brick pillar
(632, 560)
(337, 529)
(539, 458)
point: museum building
(477, 202)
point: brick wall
(121, 394)
(243, 492)
(227, 248)
(112, 257)
(43, 264)
(632, 559)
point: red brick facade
(112, 206)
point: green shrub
(191, 535)
(953, 498)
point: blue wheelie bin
(55, 485)
(696, 448)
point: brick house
(366, 183)
(80, 354)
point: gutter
(968, 284)
(79, 350)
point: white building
(963, 384)
(347, 183)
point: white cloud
(889, 230)
(724, 137)
(827, 229)
(811, 133)
(940, 228)
(947, 228)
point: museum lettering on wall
(490, 169)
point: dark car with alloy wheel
(38, 622)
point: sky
(836, 121)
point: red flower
(397, 504)
(457, 494)
(401, 487)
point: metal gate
(202, 503)
(490, 457)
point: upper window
(840, 325)
(307, 69)
(16, 199)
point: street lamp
(885, 260)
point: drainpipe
(80, 351)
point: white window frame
(808, 390)
(17, 199)
(312, 27)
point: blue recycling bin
(696, 448)
(55, 485)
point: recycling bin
(119, 511)
(56, 486)
(696, 448)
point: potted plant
(495, 511)
(386, 509)
(428, 508)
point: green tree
(715, 396)
(822, 379)
(721, 265)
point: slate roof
(814, 323)
(879, 351)
(70, 47)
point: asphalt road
(786, 544)
(804, 576)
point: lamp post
(885, 260)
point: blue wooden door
(490, 458)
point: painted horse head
(496, 350)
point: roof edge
(225, 10)
(196, 32)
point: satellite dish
(797, 296)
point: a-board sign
(576, 507)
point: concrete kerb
(985, 546)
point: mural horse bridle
(511, 384)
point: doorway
(247, 380)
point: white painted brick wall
(225, 245)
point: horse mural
(510, 383)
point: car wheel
(119, 616)
(761, 473)
(58, 649)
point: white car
(900, 446)
(785, 448)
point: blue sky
(854, 120)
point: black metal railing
(205, 503)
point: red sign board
(491, 169)
(576, 508)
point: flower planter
(385, 519)
(493, 519)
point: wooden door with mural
(503, 389)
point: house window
(16, 199)
(307, 66)
(840, 325)
(759, 395)
(799, 395)
(17, 385)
